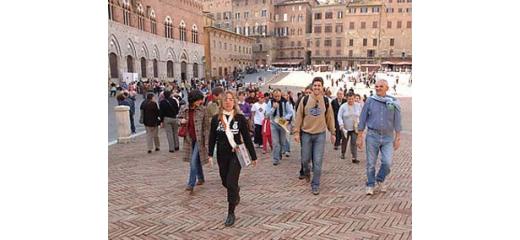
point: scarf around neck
(226, 122)
(388, 100)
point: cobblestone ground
(147, 200)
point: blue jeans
(313, 146)
(286, 145)
(195, 166)
(278, 136)
(376, 143)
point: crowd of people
(215, 121)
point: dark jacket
(169, 107)
(150, 114)
(335, 106)
(217, 136)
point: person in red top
(194, 118)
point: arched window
(143, 67)
(169, 69)
(110, 10)
(196, 70)
(153, 23)
(155, 70)
(130, 63)
(114, 71)
(140, 17)
(168, 28)
(182, 31)
(127, 15)
(194, 34)
(183, 71)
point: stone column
(123, 123)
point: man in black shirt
(169, 108)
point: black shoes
(149, 151)
(157, 149)
(301, 177)
(275, 163)
(355, 160)
(342, 156)
(172, 151)
(230, 220)
(176, 149)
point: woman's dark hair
(150, 95)
(167, 94)
(120, 97)
(194, 96)
(318, 79)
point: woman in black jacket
(151, 121)
(229, 119)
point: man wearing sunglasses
(381, 115)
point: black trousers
(229, 168)
(258, 134)
(132, 124)
(339, 135)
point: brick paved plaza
(147, 200)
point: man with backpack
(313, 117)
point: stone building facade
(292, 27)
(157, 39)
(226, 50)
(339, 33)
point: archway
(169, 69)
(130, 64)
(183, 70)
(196, 70)
(143, 67)
(114, 72)
(155, 70)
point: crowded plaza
(232, 125)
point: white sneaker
(381, 186)
(287, 154)
(370, 190)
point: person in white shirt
(348, 118)
(258, 113)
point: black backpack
(325, 99)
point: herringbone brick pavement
(147, 200)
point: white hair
(383, 81)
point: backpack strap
(305, 100)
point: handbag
(183, 130)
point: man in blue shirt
(278, 108)
(381, 115)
